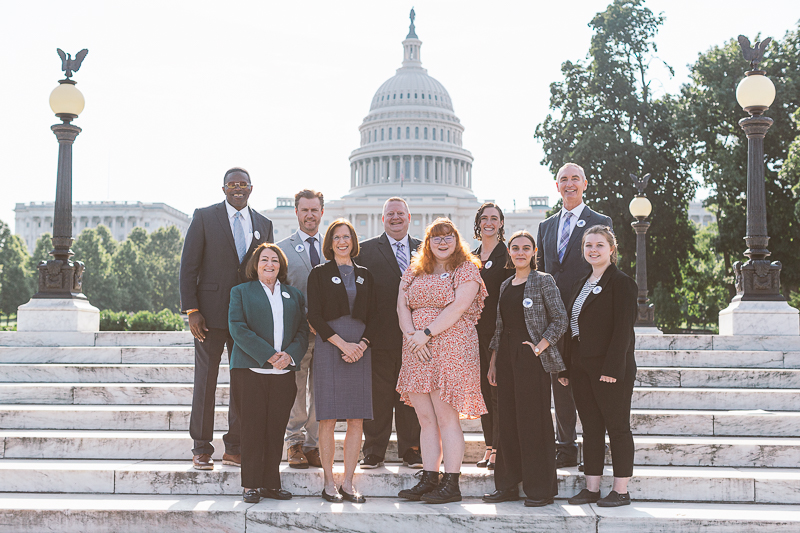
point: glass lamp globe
(755, 93)
(66, 99)
(640, 207)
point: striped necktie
(564, 237)
(238, 236)
(402, 260)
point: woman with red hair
(440, 300)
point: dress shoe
(275, 494)
(312, 456)
(231, 459)
(370, 461)
(564, 460)
(251, 496)
(538, 503)
(412, 458)
(584, 496)
(297, 459)
(508, 495)
(448, 490)
(203, 462)
(333, 498)
(614, 499)
(490, 464)
(354, 498)
(580, 467)
(483, 463)
(428, 480)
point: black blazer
(493, 277)
(605, 324)
(574, 267)
(328, 300)
(210, 266)
(378, 257)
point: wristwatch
(427, 332)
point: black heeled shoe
(490, 466)
(483, 463)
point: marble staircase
(98, 430)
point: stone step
(176, 418)
(81, 513)
(654, 483)
(738, 378)
(175, 445)
(717, 358)
(181, 394)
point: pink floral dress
(454, 368)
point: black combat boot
(447, 491)
(428, 481)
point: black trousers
(266, 401)
(207, 357)
(489, 421)
(566, 415)
(526, 448)
(386, 400)
(604, 407)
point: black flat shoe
(335, 498)
(251, 496)
(538, 503)
(508, 495)
(353, 498)
(584, 496)
(615, 499)
(275, 494)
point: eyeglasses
(446, 239)
(233, 185)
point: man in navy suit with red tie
(218, 244)
(559, 254)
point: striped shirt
(576, 307)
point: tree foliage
(15, 274)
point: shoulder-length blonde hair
(425, 261)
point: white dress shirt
(394, 242)
(317, 243)
(247, 224)
(276, 303)
(573, 221)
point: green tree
(41, 253)
(607, 120)
(15, 278)
(162, 254)
(100, 284)
(131, 272)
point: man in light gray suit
(303, 251)
(559, 254)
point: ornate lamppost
(59, 304)
(758, 308)
(640, 207)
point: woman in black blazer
(342, 306)
(601, 366)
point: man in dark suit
(387, 257)
(218, 244)
(559, 254)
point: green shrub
(164, 320)
(113, 321)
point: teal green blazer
(251, 326)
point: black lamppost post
(640, 207)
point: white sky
(178, 92)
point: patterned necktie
(564, 237)
(402, 260)
(312, 251)
(238, 236)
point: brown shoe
(233, 460)
(313, 458)
(203, 462)
(297, 458)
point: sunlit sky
(178, 92)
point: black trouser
(385, 399)
(526, 449)
(489, 420)
(207, 357)
(566, 416)
(604, 407)
(266, 401)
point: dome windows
(448, 135)
(394, 97)
(390, 134)
(381, 133)
(434, 134)
(416, 132)
(408, 132)
(398, 132)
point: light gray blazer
(546, 318)
(299, 263)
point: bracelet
(365, 341)
(190, 311)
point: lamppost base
(748, 317)
(60, 279)
(58, 315)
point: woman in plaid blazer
(530, 320)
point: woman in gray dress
(341, 307)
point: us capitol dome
(411, 145)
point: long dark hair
(501, 232)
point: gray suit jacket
(299, 263)
(546, 318)
(574, 267)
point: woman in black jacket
(601, 366)
(342, 305)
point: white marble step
(718, 358)
(99, 354)
(672, 483)
(739, 378)
(175, 445)
(105, 373)
(176, 418)
(89, 513)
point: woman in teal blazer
(267, 321)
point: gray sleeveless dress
(343, 390)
